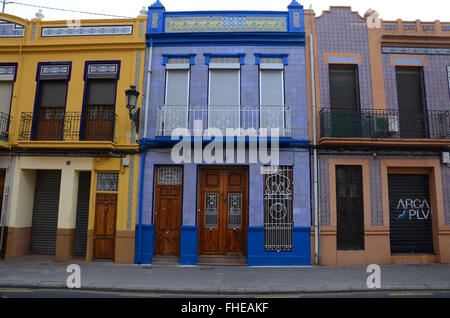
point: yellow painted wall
(79, 49)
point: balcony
(54, 124)
(255, 121)
(384, 124)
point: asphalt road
(65, 293)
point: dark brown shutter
(84, 190)
(410, 102)
(101, 92)
(350, 208)
(53, 93)
(410, 221)
(344, 87)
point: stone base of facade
(18, 242)
(124, 251)
(65, 242)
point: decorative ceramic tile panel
(55, 70)
(102, 69)
(415, 50)
(87, 31)
(11, 30)
(226, 24)
(7, 70)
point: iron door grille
(410, 214)
(84, 187)
(45, 212)
(278, 215)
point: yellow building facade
(68, 150)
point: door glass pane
(107, 181)
(169, 175)
(234, 210)
(211, 210)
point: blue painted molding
(209, 56)
(116, 74)
(259, 56)
(299, 256)
(226, 39)
(38, 89)
(145, 241)
(189, 245)
(191, 58)
(168, 142)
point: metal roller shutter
(45, 212)
(84, 187)
(410, 214)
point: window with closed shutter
(224, 99)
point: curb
(243, 292)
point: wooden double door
(222, 207)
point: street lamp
(132, 97)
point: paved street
(209, 280)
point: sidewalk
(224, 280)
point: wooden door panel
(105, 226)
(167, 219)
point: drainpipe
(141, 200)
(144, 152)
(315, 156)
(147, 88)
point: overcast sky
(428, 10)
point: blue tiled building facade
(211, 70)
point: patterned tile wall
(435, 77)
(342, 31)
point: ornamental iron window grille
(234, 210)
(226, 60)
(211, 210)
(179, 61)
(169, 175)
(107, 181)
(271, 60)
(278, 214)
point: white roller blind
(177, 88)
(224, 88)
(272, 88)
(5, 96)
(272, 100)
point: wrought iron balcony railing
(58, 125)
(4, 124)
(376, 124)
(244, 120)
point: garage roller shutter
(410, 214)
(45, 212)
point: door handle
(106, 208)
(224, 198)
